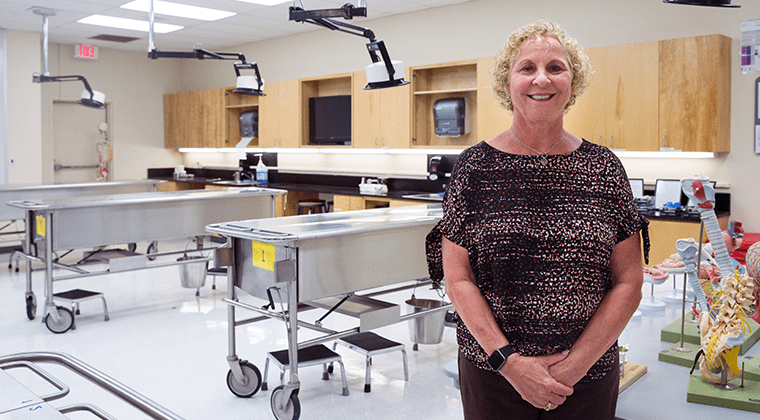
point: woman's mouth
(541, 97)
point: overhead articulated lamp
(90, 98)
(711, 3)
(246, 85)
(383, 72)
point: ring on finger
(548, 406)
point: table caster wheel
(250, 384)
(31, 306)
(282, 408)
(64, 324)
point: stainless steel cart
(321, 260)
(18, 402)
(82, 222)
(46, 192)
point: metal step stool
(73, 297)
(309, 356)
(371, 344)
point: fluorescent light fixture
(265, 2)
(130, 24)
(178, 10)
(665, 155)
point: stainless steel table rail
(18, 402)
(46, 192)
(82, 222)
(314, 260)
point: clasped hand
(533, 378)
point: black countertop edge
(679, 217)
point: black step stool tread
(76, 294)
(370, 341)
(308, 354)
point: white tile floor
(171, 346)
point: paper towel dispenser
(450, 117)
(249, 123)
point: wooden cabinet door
(695, 93)
(212, 117)
(395, 116)
(492, 118)
(587, 117)
(269, 115)
(619, 108)
(171, 121)
(365, 123)
(631, 95)
(279, 115)
(380, 116)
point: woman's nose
(541, 79)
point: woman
(539, 247)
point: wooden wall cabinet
(336, 84)
(695, 93)
(492, 118)
(381, 116)
(280, 115)
(619, 110)
(194, 119)
(440, 81)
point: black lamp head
(711, 3)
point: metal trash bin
(192, 275)
(426, 329)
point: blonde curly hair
(579, 62)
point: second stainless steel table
(321, 260)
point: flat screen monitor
(330, 120)
(667, 191)
(637, 186)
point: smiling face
(540, 81)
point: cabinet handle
(375, 141)
(610, 141)
(663, 142)
(599, 140)
(382, 141)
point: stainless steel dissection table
(313, 260)
(82, 222)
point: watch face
(496, 360)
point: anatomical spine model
(721, 324)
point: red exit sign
(86, 51)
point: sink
(242, 183)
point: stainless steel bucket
(426, 329)
(192, 275)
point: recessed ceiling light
(265, 2)
(131, 24)
(179, 10)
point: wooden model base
(632, 373)
(672, 334)
(745, 398)
(673, 356)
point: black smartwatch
(499, 357)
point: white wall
(134, 84)
(24, 108)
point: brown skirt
(487, 395)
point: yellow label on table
(40, 225)
(263, 255)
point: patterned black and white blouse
(539, 240)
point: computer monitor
(667, 191)
(637, 187)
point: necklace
(541, 156)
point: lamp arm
(43, 79)
(197, 53)
(347, 11)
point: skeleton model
(721, 323)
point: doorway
(82, 150)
